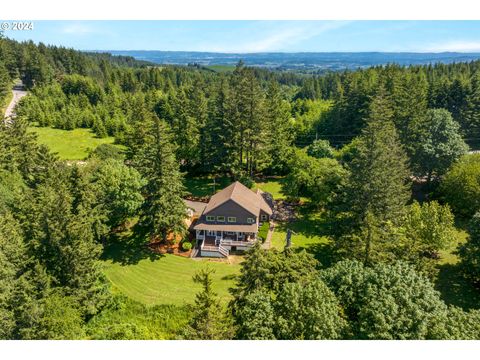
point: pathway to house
(268, 241)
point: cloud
(454, 46)
(279, 38)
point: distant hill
(311, 62)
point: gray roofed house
(231, 220)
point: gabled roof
(243, 196)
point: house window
(230, 233)
(263, 217)
(232, 219)
(250, 220)
(210, 232)
(210, 218)
(221, 218)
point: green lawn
(309, 234)
(272, 186)
(69, 144)
(204, 186)
(168, 279)
(455, 289)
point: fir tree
(279, 129)
(376, 191)
(208, 320)
(163, 211)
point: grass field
(69, 144)
(272, 186)
(204, 186)
(455, 289)
(168, 279)
(309, 234)
(221, 68)
(133, 320)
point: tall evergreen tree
(247, 115)
(279, 129)
(219, 137)
(376, 191)
(59, 227)
(208, 321)
(163, 211)
(471, 113)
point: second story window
(210, 218)
(250, 220)
(221, 218)
(232, 219)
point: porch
(220, 243)
(215, 236)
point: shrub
(186, 245)
(461, 185)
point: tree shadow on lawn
(455, 289)
(311, 224)
(128, 248)
(323, 252)
(204, 186)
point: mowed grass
(272, 186)
(309, 233)
(168, 279)
(207, 186)
(69, 144)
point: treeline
(413, 90)
(42, 64)
(233, 124)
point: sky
(258, 36)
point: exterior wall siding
(232, 209)
(263, 213)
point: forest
(381, 159)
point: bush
(263, 231)
(461, 185)
(320, 149)
(186, 245)
(107, 151)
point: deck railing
(236, 243)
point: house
(230, 221)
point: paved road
(18, 93)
